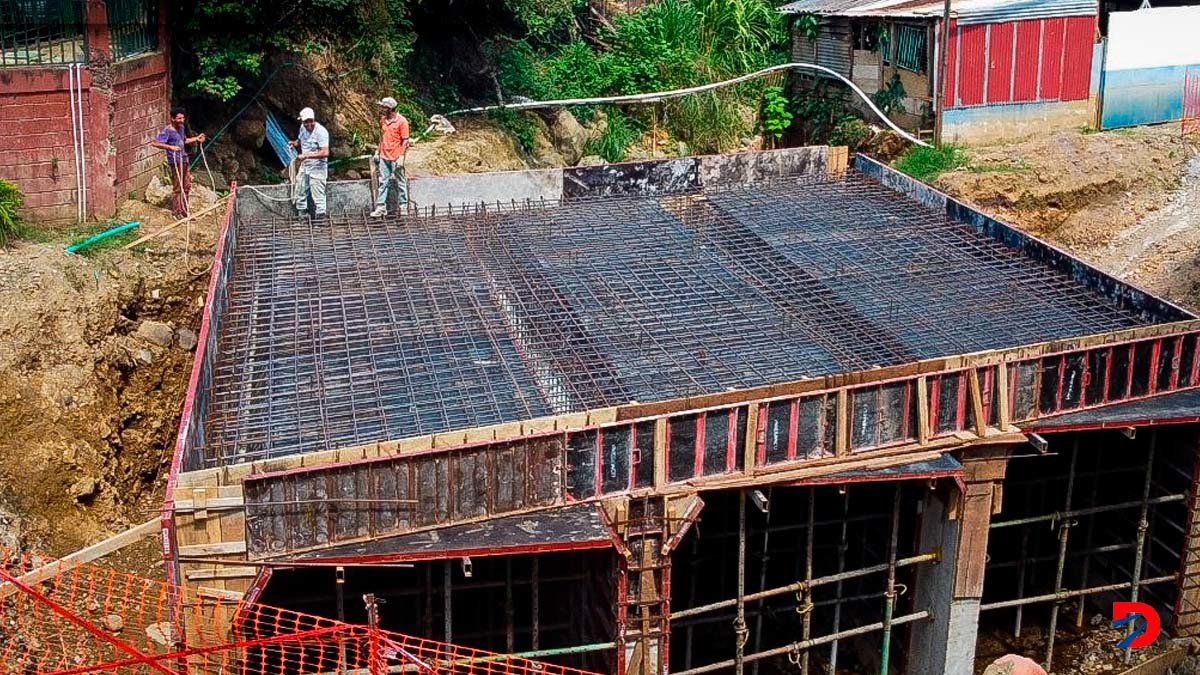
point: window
(132, 27)
(41, 32)
(912, 48)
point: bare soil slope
(94, 356)
(1122, 200)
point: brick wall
(141, 104)
(124, 105)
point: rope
(654, 97)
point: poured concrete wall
(665, 176)
(1011, 121)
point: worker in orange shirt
(390, 156)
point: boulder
(156, 333)
(163, 634)
(84, 489)
(250, 133)
(569, 136)
(186, 339)
(157, 193)
(201, 197)
(544, 152)
(113, 623)
(216, 182)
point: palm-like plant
(10, 203)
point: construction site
(767, 412)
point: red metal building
(1013, 67)
(84, 86)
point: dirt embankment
(1123, 200)
(94, 356)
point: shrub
(851, 132)
(927, 163)
(613, 144)
(10, 202)
(776, 118)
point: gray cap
(388, 102)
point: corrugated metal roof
(966, 11)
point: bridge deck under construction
(360, 331)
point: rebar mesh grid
(360, 331)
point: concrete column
(955, 521)
(1186, 621)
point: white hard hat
(388, 102)
(307, 114)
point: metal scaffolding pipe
(841, 567)
(1165, 499)
(1142, 526)
(739, 622)
(762, 578)
(806, 623)
(889, 596)
(804, 645)
(1064, 595)
(932, 556)
(1064, 533)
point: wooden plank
(660, 453)
(94, 552)
(751, 447)
(222, 572)
(842, 433)
(923, 431)
(1161, 664)
(1005, 414)
(977, 402)
(154, 235)
(218, 548)
(972, 548)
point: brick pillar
(98, 104)
(956, 522)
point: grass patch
(925, 164)
(78, 234)
(618, 136)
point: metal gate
(1150, 67)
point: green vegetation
(10, 202)
(925, 164)
(1003, 166)
(620, 133)
(776, 118)
(851, 132)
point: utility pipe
(78, 246)
(654, 97)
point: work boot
(379, 212)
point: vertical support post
(1186, 621)
(841, 567)
(806, 622)
(1064, 531)
(646, 602)
(739, 622)
(1143, 524)
(1087, 544)
(447, 603)
(688, 632)
(762, 580)
(889, 595)
(509, 629)
(939, 103)
(535, 604)
(1021, 572)
(427, 619)
(339, 585)
(375, 665)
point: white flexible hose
(678, 93)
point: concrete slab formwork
(611, 347)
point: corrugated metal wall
(1020, 61)
(1149, 55)
(831, 49)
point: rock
(592, 160)
(682, 149)
(186, 339)
(84, 489)
(10, 530)
(163, 634)
(250, 133)
(156, 333)
(113, 623)
(569, 136)
(353, 175)
(340, 151)
(144, 356)
(216, 182)
(157, 193)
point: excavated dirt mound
(94, 357)
(1095, 195)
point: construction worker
(389, 159)
(313, 142)
(174, 139)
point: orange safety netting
(91, 619)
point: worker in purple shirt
(174, 140)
